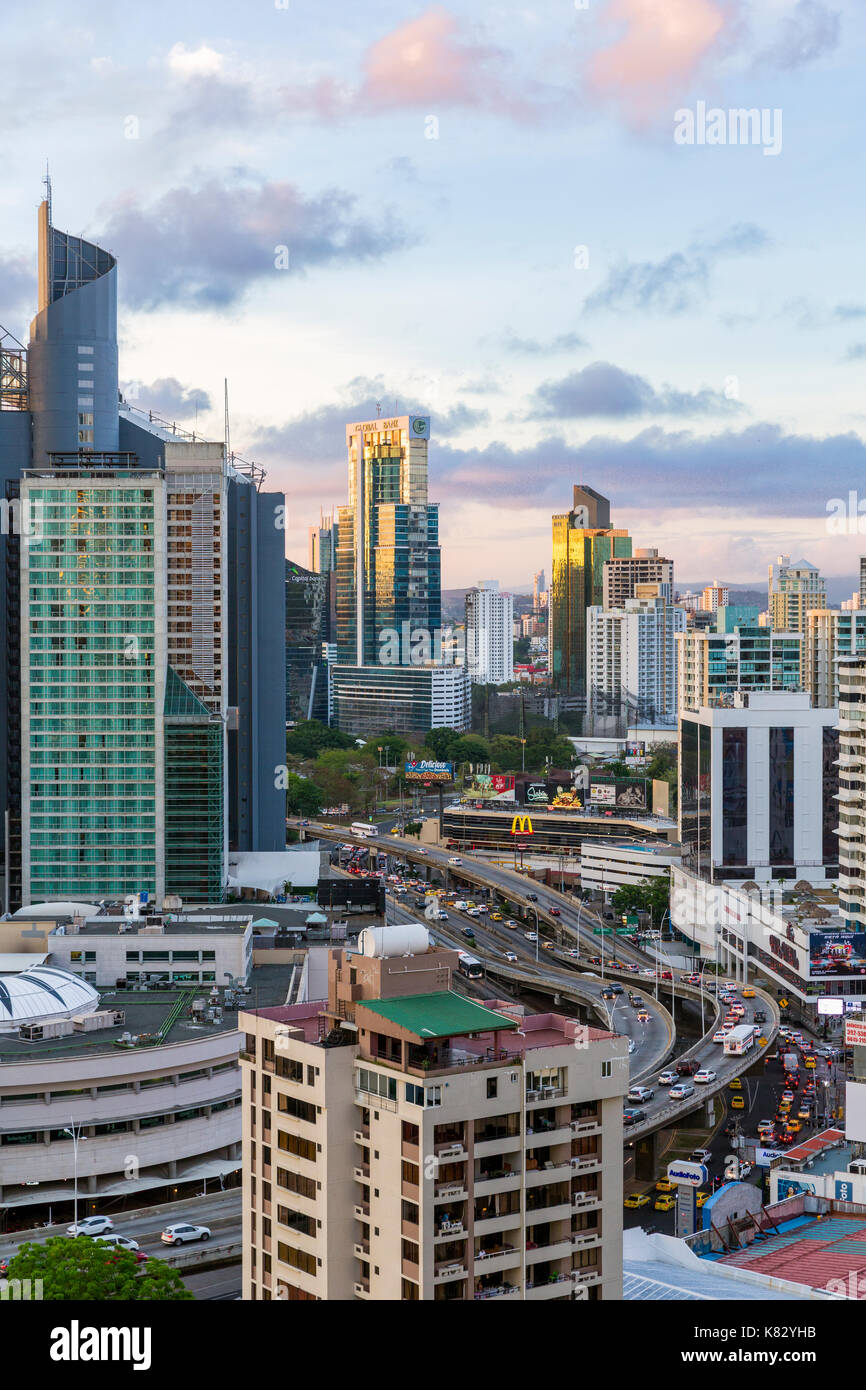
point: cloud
(194, 62)
(532, 347)
(430, 62)
(661, 46)
(856, 352)
(603, 390)
(679, 281)
(810, 31)
(17, 287)
(757, 471)
(168, 397)
(205, 247)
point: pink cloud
(662, 47)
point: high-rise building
(792, 590)
(832, 635)
(714, 596)
(390, 672)
(323, 545)
(863, 581)
(583, 540)
(539, 592)
(852, 790)
(758, 783)
(140, 672)
(713, 665)
(631, 664)
(307, 632)
(403, 1142)
(625, 574)
(489, 626)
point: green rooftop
(442, 1015)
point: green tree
(83, 1269)
(505, 751)
(652, 896)
(471, 748)
(310, 736)
(303, 797)
(442, 743)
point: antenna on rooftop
(378, 407)
(226, 427)
(47, 182)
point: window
(433, 1095)
(414, 1094)
(298, 1109)
(289, 1069)
(492, 1083)
(297, 1221)
(294, 1182)
(293, 1144)
(377, 1084)
(410, 1172)
(607, 1068)
(298, 1259)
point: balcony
(362, 1173)
(501, 1181)
(445, 1192)
(450, 1153)
(504, 1144)
(551, 1172)
(495, 1261)
(362, 1288)
(361, 1136)
(555, 1286)
(450, 1269)
(585, 1240)
(558, 1249)
(499, 1291)
(496, 1224)
(410, 1151)
(585, 1163)
(557, 1211)
(362, 1211)
(409, 1229)
(586, 1276)
(448, 1228)
(585, 1126)
(361, 1248)
(560, 1134)
(545, 1095)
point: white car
(511, 955)
(681, 1091)
(91, 1226)
(648, 974)
(455, 860)
(531, 935)
(122, 1242)
(667, 1078)
(719, 1037)
(181, 1232)
(705, 1075)
(630, 1046)
(511, 923)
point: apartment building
(831, 634)
(625, 574)
(713, 665)
(403, 1142)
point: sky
(540, 224)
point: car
(636, 1001)
(441, 916)
(511, 955)
(633, 1116)
(705, 1075)
(788, 1095)
(701, 1197)
(665, 1203)
(555, 912)
(648, 974)
(720, 1035)
(637, 1200)
(91, 1226)
(793, 1125)
(764, 1126)
(687, 1067)
(643, 1016)
(735, 1084)
(532, 897)
(631, 1046)
(181, 1232)
(810, 1062)
(665, 1185)
(681, 1091)
(690, 979)
(455, 860)
(531, 935)
(745, 1170)
(616, 989)
(738, 1103)
(421, 851)
(123, 1243)
(748, 992)
(667, 1078)
(738, 1011)
(666, 975)
(700, 1156)
(641, 1093)
(511, 923)
(548, 945)
(419, 904)
(804, 1114)
(760, 1016)
(496, 916)
(469, 933)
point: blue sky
(701, 360)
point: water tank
(403, 939)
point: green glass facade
(193, 795)
(92, 653)
(576, 584)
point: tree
(471, 748)
(441, 743)
(83, 1269)
(310, 736)
(652, 896)
(303, 797)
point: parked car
(91, 1226)
(181, 1232)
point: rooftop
(811, 1250)
(441, 1015)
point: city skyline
(711, 337)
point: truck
(739, 1040)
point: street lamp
(74, 1132)
(523, 755)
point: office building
(713, 665)
(631, 664)
(307, 633)
(831, 635)
(539, 593)
(405, 1143)
(714, 596)
(143, 678)
(792, 590)
(400, 699)
(489, 625)
(583, 540)
(852, 791)
(625, 575)
(323, 546)
(758, 783)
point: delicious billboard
(428, 770)
(837, 953)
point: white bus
(739, 1040)
(363, 830)
(469, 966)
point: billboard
(428, 770)
(836, 954)
(831, 1006)
(855, 1033)
(855, 1111)
(498, 787)
(626, 794)
(692, 1174)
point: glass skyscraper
(583, 541)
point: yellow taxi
(738, 1103)
(547, 945)
(496, 916)
(810, 1063)
(664, 1185)
(748, 992)
(735, 1085)
(665, 1203)
(637, 1200)
(702, 1197)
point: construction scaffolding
(14, 394)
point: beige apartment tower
(403, 1142)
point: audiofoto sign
(428, 770)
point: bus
(739, 1040)
(469, 966)
(363, 830)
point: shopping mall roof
(819, 1252)
(442, 1015)
(43, 993)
